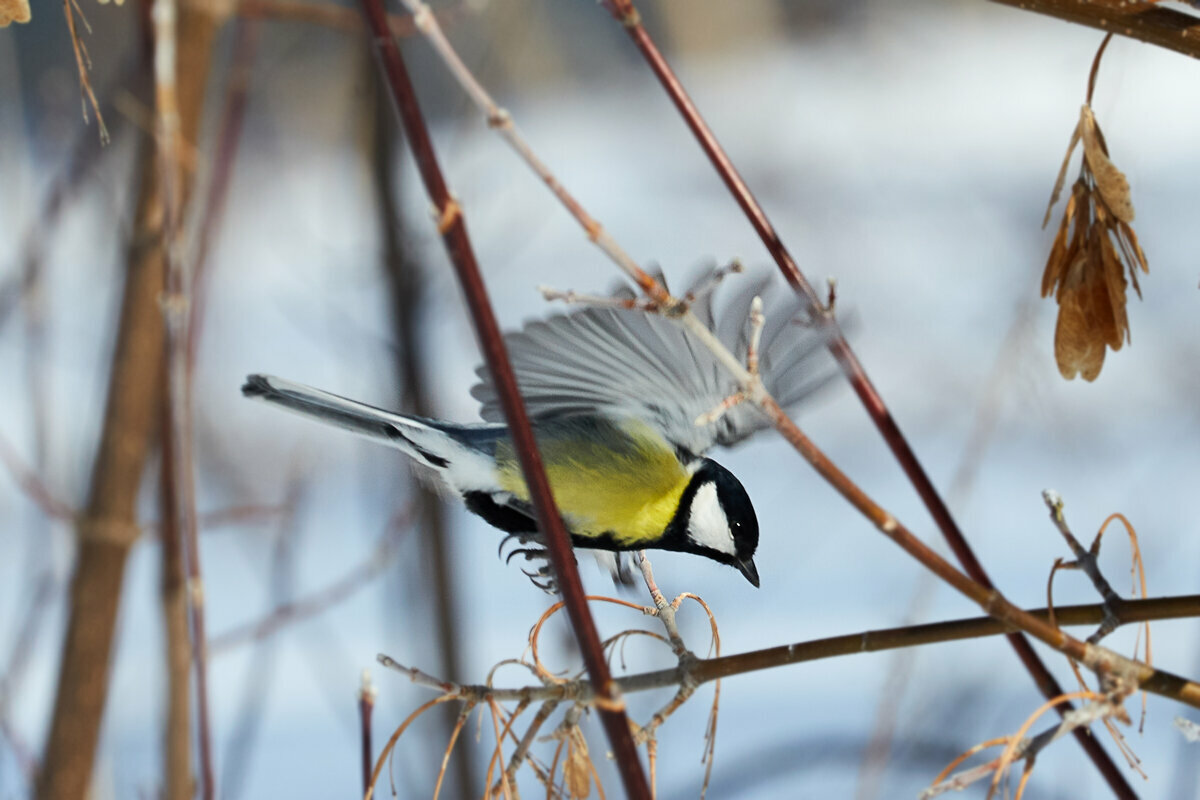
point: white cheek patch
(707, 524)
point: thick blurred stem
(405, 292)
(107, 529)
(183, 36)
(177, 756)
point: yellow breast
(621, 479)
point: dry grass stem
(385, 755)
(454, 732)
(1017, 747)
(83, 65)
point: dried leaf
(577, 772)
(1075, 349)
(14, 11)
(1062, 172)
(1113, 186)
(1092, 250)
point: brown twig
(32, 486)
(366, 703)
(108, 527)
(1144, 21)
(183, 42)
(39, 602)
(407, 295)
(453, 230)
(179, 781)
(626, 14)
(336, 17)
(711, 669)
(1086, 561)
(380, 559)
(1017, 747)
(229, 136)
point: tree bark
(107, 529)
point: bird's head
(716, 519)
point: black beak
(748, 569)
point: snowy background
(907, 150)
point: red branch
(454, 233)
(624, 12)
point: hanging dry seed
(1094, 247)
(13, 11)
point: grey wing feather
(628, 363)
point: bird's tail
(427, 443)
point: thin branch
(288, 613)
(1087, 562)
(229, 137)
(625, 13)
(1144, 21)
(454, 232)
(1019, 748)
(179, 782)
(32, 486)
(366, 703)
(107, 528)
(665, 610)
(407, 294)
(328, 15)
(182, 41)
(873, 641)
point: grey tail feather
(374, 423)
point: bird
(618, 399)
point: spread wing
(629, 363)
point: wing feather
(628, 363)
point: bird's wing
(629, 363)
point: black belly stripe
(433, 460)
(506, 518)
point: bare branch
(625, 13)
(453, 229)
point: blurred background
(906, 150)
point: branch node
(448, 216)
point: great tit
(613, 395)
